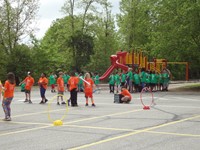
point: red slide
(107, 73)
(123, 67)
(115, 64)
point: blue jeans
(42, 92)
(6, 106)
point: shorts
(53, 86)
(27, 91)
(60, 93)
(88, 94)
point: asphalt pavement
(173, 123)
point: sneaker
(30, 102)
(7, 119)
(41, 102)
(63, 103)
(26, 100)
(86, 104)
(46, 100)
(58, 103)
(93, 105)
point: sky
(50, 10)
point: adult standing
(73, 88)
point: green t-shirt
(154, 78)
(52, 80)
(160, 78)
(165, 77)
(143, 77)
(111, 79)
(130, 75)
(66, 78)
(148, 78)
(123, 77)
(22, 87)
(136, 78)
(117, 79)
(96, 81)
(80, 81)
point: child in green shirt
(123, 78)
(143, 77)
(117, 81)
(96, 80)
(136, 78)
(111, 83)
(52, 82)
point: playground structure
(137, 60)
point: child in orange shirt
(29, 81)
(88, 89)
(1, 89)
(73, 88)
(9, 87)
(61, 88)
(126, 95)
(43, 84)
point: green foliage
(83, 46)
(20, 61)
(3, 63)
(163, 29)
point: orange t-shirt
(43, 81)
(73, 82)
(29, 81)
(126, 93)
(1, 87)
(9, 89)
(60, 83)
(88, 88)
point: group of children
(72, 84)
(135, 82)
(127, 82)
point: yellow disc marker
(58, 122)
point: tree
(15, 19)
(105, 39)
(133, 22)
(20, 61)
(176, 35)
(83, 45)
(82, 29)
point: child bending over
(126, 95)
